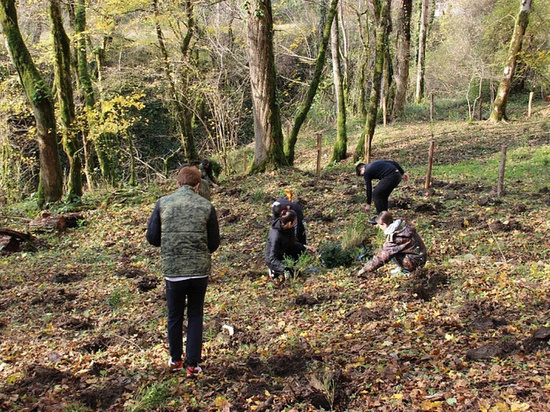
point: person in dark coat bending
(388, 173)
(403, 245)
(281, 243)
(284, 204)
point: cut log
(10, 240)
(49, 223)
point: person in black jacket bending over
(281, 205)
(389, 174)
(281, 243)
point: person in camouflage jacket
(185, 226)
(403, 245)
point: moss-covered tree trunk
(421, 58)
(499, 109)
(268, 133)
(64, 88)
(382, 32)
(313, 86)
(39, 95)
(87, 89)
(402, 57)
(341, 144)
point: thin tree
(421, 57)
(182, 115)
(64, 89)
(402, 57)
(86, 87)
(268, 153)
(499, 109)
(340, 147)
(313, 85)
(382, 9)
(39, 96)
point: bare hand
(310, 249)
(367, 208)
(406, 177)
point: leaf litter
(82, 318)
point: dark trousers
(180, 294)
(300, 231)
(383, 189)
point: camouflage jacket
(402, 244)
(185, 226)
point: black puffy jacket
(280, 243)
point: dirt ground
(82, 317)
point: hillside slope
(82, 316)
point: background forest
(122, 92)
(152, 83)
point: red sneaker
(193, 371)
(175, 366)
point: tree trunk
(39, 95)
(340, 147)
(402, 57)
(499, 109)
(63, 83)
(387, 89)
(268, 133)
(312, 89)
(86, 87)
(382, 32)
(420, 64)
(182, 116)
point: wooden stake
(384, 111)
(500, 186)
(319, 153)
(479, 115)
(367, 151)
(530, 110)
(430, 163)
(431, 107)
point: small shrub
(354, 234)
(257, 196)
(301, 266)
(333, 255)
(152, 397)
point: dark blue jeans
(180, 294)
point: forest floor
(82, 313)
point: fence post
(479, 115)
(430, 163)
(384, 111)
(530, 110)
(431, 107)
(367, 153)
(319, 153)
(500, 186)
